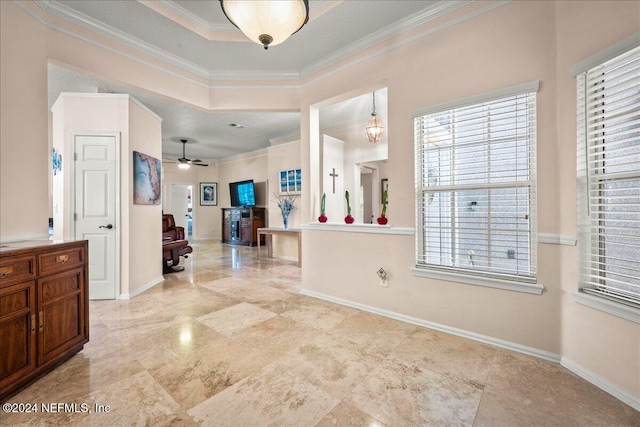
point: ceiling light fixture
(267, 22)
(374, 127)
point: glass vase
(285, 220)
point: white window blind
(475, 187)
(609, 179)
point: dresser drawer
(64, 259)
(17, 269)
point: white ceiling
(206, 43)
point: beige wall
(280, 158)
(144, 245)
(597, 342)
(511, 44)
(206, 219)
(515, 43)
(24, 153)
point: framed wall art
(208, 194)
(146, 179)
(291, 181)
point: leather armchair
(173, 245)
(170, 231)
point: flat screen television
(242, 193)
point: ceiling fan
(183, 162)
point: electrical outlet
(384, 280)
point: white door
(95, 209)
(180, 205)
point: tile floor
(231, 342)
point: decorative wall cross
(334, 175)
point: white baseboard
(540, 354)
(603, 384)
(146, 287)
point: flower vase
(285, 220)
(349, 219)
(382, 220)
(322, 218)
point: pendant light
(374, 127)
(267, 22)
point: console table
(268, 231)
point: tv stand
(240, 225)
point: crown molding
(440, 9)
(417, 19)
(108, 31)
(203, 24)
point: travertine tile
(397, 394)
(230, 341)
(317, 313)
(522, 390)
(446, 354)
(330, 363)
(269, 398)
(345, 415)
(235, 318)
(373, 333)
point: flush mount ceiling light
(267, 22)
(374, 127)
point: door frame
(193, 209)
(72, 198)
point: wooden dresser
(44, 308)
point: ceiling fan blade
(197, 161)
(201, 164)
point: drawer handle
(33, 323)
(5, 271)
(41, 318)
(61, 259)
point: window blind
(609, 178)
(475, 188)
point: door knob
(108, 226)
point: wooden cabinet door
(17, 332)
(61, 320)
(246, 232)
(226, 225)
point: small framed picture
(208, 194)
(291, 181)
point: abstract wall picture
(146, 179)
(291, 181)
(56, 161)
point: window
(475, 188)
(609, 179)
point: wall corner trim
(557, 239)
(603, 384)
(146, 287)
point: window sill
(610, 307)
(529, 288)
(360, 228)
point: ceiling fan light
(184, 166)
(267, 22)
